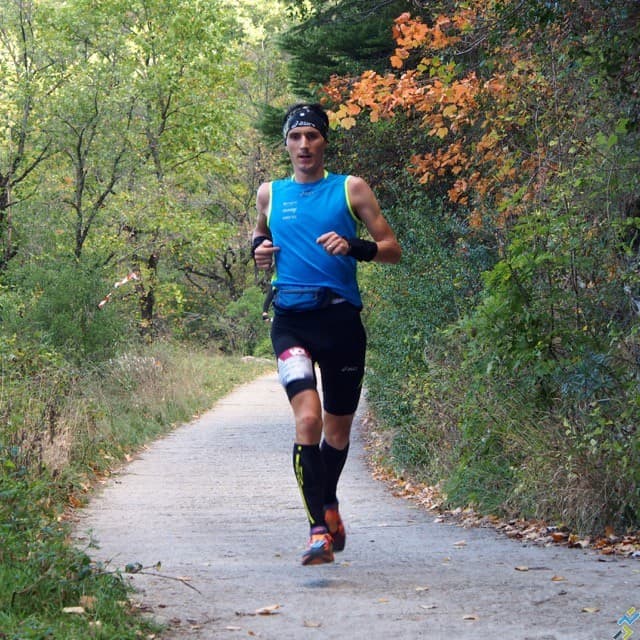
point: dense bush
(505, 353)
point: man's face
(306, 149)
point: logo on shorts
(293, 352)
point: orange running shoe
(320, 549)
(336, 527)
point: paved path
(216, 502)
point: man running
(308, 224)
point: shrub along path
(216, 504)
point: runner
(308, 224)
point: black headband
(305, 117)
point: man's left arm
(365, 204)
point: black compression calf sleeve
(334, 460)
(309, 469)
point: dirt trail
(216, 502)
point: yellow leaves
(487, 141)
(458, 191)
(450, 111)
(344, 116)
(413, 33)
(441, 132)
(409, 33)
(464, 20)
(474, 123)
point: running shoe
(335, 526)
(320, 549)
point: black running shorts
(334, 339)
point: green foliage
(49, 457)
(520, 395)
(126, 147)
(242, 326)
(234, 326)
(55, 304)
(433, 284)
(40, 573)
(342, 38)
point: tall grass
(62, 427)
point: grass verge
(72, 434)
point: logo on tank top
(289, 210)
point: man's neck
(304, 177)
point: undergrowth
(61, 429)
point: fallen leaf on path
(460, 543)
(312, 625)
(590, 609)
(574, 542)
(425, 588)
(522, 568)
(470, 616)
(540, 532)
(271, 610)
(558, 579)
(75, 502)
(428, 606)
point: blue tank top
(298, 214)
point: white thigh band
(294, 364)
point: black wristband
(256, 242)
(362, 250)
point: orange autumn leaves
(476, 126)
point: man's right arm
(262, 247)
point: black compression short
(336, 340)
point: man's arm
(365, 204)
(262, 246)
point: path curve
(216, 503)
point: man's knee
(308, 428)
